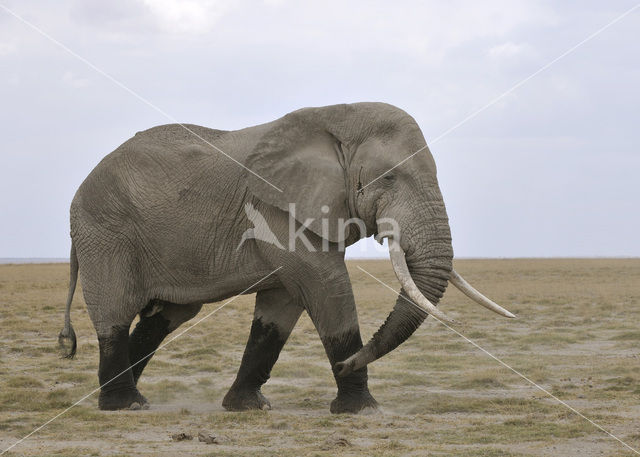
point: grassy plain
(577, 336)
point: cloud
(13, 79)
(7, 48)
(187, 16)
(506, 50)
(72, 80)
(425, 31)
(230, 65)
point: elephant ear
(297, 161)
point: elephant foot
(354, 403)
(128, 399)
(244, 400)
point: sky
(549, 169)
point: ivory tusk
(404, 276)
(476, 296)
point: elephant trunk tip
(358, 360)
(343, 369)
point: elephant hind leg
(112, 285)
(117, 389)
(157, 320)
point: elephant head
(358, 162)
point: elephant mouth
(386, 338)
(418, 299)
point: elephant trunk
(424, 274)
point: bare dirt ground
(577, 335)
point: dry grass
(577, 335)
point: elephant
(164, 224)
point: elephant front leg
(276, 313)
(329, 300)
(317, 278)
(353, 391)
(336, 320)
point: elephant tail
(67, 338)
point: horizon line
(54, 260)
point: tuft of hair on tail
(68, 343)
(67, 338)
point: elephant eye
(389, 177)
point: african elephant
(156, 228)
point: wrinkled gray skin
(156, 224)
